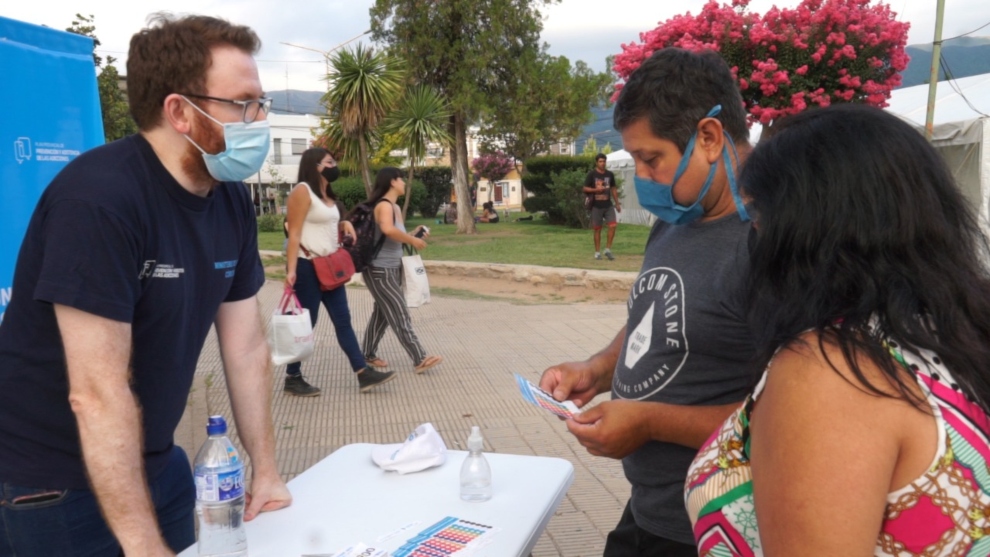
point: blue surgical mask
(658, 198)
(245, 152)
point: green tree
(117, 121)
(464, 48)
(550, 101)
(590, 146)
(364, 86)
(437, 180)
(420, 119)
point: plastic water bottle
(476, 475)
(219, 474)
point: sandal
(428, 362)
(376, 362)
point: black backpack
(364, 248)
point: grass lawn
(526, 243)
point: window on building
(298, 145)
(277, 150)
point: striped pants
(390, 311)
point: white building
(291, 135)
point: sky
(587, 30)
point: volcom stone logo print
(656, 305)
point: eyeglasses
(251, 108)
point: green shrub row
(555, 182)
(430, 189)
(540, 170)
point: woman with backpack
(383, 276)
(314, 229)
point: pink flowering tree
(493, 166)
(820, 52)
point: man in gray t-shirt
(680, 366)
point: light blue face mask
(658, 198)
(245, 152)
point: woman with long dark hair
(383, 276)
(314, 229)
(867, 434)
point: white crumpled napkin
(424, 448)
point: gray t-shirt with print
(687, 343)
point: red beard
(206, 134)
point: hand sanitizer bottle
(476, 475)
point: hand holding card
(538, 397)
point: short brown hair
(172, 55)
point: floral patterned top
(944, 512)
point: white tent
(961, 132)
(621, 164)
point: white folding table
(345, 499)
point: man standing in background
(600, 184)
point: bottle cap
(216, 425)
(476, 442)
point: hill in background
(964, 57)
(293, 101)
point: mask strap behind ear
(729, 173)
(733, 186)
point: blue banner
(51, 114)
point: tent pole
(933, 79)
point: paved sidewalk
(483, 343)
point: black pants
(629, 540)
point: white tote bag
(414, 281)
(290, 333)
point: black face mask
(331, 173)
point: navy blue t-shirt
(115, 235)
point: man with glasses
(134, 251)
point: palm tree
(420, 119)
(364, 86)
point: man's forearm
(246, 362)
(110, 435)
(249, 385)
(97, 353)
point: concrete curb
(558, 277)
(534, 274)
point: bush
(419, 195)
(539, 170)
(539, 204)
(437, 181)
(270, 223)
(350, 191)
(567, 190)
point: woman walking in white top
(314, 226)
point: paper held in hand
(538, 397)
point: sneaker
(296, 385)
(369, 378)
(608, 254)
(598, 256)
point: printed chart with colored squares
(450, 536)
(542, 399)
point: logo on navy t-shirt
(656, 348)
(146, 271)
